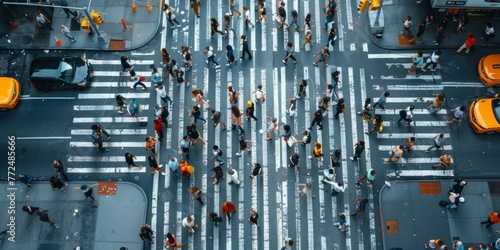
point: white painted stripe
(352, 46)
(103, 158)
(406, 99)
(119, 73)
(406, 135)
(319, 26)
(365, 47)
(43, 137)
(107, 119)
(275, 39)
(419, 160)
(111, 131)
(118, 62)
(101, 107)
(27, 97)
(112, 96)
(117, 84)
(132, 170)
(107, 144)
(415, 147)
(415, 111)
(420, 173)
(462, 83)
(412, 77)
(135, 53)
(416, 123)
(393, 56)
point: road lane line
(111, 131)
(43, 137)
(103, 158)
(106, 170)
(101, 107)
(112, 96)
(108, 119)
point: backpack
(197, 113)
(219, 152)
(142, 78)
(294, 13)
(95, 138)
(402, 113)
(309, 138)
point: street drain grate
(166, 195)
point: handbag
(292, 140)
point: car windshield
(496, 109)
(60, 69)
(66, 71)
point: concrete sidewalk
(110, 222)
(410, 214)
(144, 26)
(396, 10)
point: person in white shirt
(67, 33)
(233, 174)
(189, 223)
(490, 32)
(339, 187)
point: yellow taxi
(489, 70)
(484, 115)
(10, 90)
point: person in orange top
(150, 144)
(317, 152)
(468, 44)
(228, 208)
(183, 165)
(493, 219)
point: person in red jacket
(468, 44)
(494, 218)
(159, 128)
(228, 208)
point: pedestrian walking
(129, 158)
(42, 21)
(198, 94)
(337, 187)
(87, 190)
(325, 52)
(126, 64)
(217, 153)
(439, 35)
(218, 174)
(195, 114)
(120, 102)
(230, 56)
(163, 114)
(467, 45)
(292, 109)
(236, 117)
(294, 161)
(406, 26)
(367, 107)
(281, 15)
(330, 11)
(408, 146)
(243, 144)
(307, 22)
(165, 57)
(186, 58)
(158, 126)
(169, 12)
(189, 223)
(317, 152)
(234, 177)
(458, 187)
(173, 165)
(233, 95)
(436, 104)
(196, 193)
(162, 93)
(44, 216)
(359, 147)
(438, 141)
(370, 175)
(97, 140)
(195, 5)
(171, 71)
(454, 200)
(186, 169)
(340, 108)
(66, 10)
(150, 144)
(445, 161)
(382, 100)
(137, 80)
(98, 128)
(262, 13)
(215, 218)
(56, 182)
(232, 8)
(434, 60)
(26, 179)
(457, 114)
(272, 127)
(250, 111)
(288, 244)
(184, 146)
(156, 78)
(216, 117)
(295, 21)
(306, 189)
(429, 19)
(458, 245)
(377, 125)
(30, 209)
(259, 95)
(342, 223)
(361, 206)
(489, 32)
(228, 208)
(66, 32)
(146, 233)
(194, 134)
(462, 21)
(246, 50)
(171, 241)
(257, 169)
(214, 28)
(397, 152)
(302, 92)
(248, 21)
(209, 51)
(253, 218)
(332, 36)
(407, 115)
(434, 244)
(493, 218)
(421, 30)
(335, 158)
(289, 53)
(154, 165)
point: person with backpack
(295, 19)
(230, 56)
(250, 111)
(97, 140)
(137, 80)
(196, 115)
(100, 129)
(377, 125)
(306, 139)
(209, 51)
(318, 119)
(217, 153)
(133, 109)
(87, 190)
(180, 79)
(407, 115)
(434, 60)
(120, 102)
(381, 100)
(56, 182)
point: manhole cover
(26, 39)
(166, 195)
